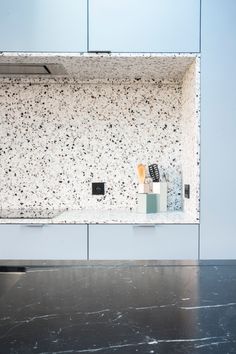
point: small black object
(154, 172)
(98, 188)
(12, 269)
(187, 191)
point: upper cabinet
(144, 25)
(116, 26)
(43, 25)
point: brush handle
(141, 173)
(154, 172)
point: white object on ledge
(144, 188)
(161, 188)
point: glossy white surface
(109, 217)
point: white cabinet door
(143, 242)
(43, 242)
(43, 25)
(144, 25)
(218, 130)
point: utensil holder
(160, 188)
(148, 203)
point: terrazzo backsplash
(56, 139)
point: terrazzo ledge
(109, 217)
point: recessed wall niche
(59, 135)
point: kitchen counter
(119, 307)
(107, 217)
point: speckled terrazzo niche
(55, 140)
(99, 67)
(58, 136)
(191, 137)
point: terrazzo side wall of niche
(57, 138)
(191, 138)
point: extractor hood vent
(31, 69)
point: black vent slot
(24, 69)
(12, 269)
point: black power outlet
(98, 188)
(187, 191)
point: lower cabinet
(106, 242)
(110, 242)
(43, 242)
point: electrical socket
(98, 188)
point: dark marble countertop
(118, 307)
